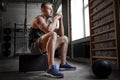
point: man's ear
(43, 9)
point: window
(60, 9)
(86, 11)
(79, 19)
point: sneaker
(66, 66)
(54, 72)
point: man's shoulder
(39, 17)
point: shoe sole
(67, 69)
(54, 76)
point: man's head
(47, 9)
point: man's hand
(60, 16)
(61, 27)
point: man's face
(48, 10)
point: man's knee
(65, 39)
(54, 35)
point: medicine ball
(7, 38)
(102, 68)
(6, 45)
(6, 53)
(7, 30)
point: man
(45, 36)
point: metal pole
(84, 27)
(14, 39)
(25, 21)
(25, 25)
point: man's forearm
(61, 28)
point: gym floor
(9, 70)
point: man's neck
(45, 17)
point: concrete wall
(16, 14)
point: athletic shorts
(35, 47)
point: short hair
(43, 4)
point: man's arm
(52, 25)
(41, 24)
(61, 28)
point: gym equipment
(6, 46)
(31, 62)
(7, 30)
(102, 68)
(6, 53)
(7, 38)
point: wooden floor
(9, 70)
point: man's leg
(48, 43)
(50, 47)
(63, 43)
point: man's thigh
(44, 40)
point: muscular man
(45, 36)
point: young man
(45, 36)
